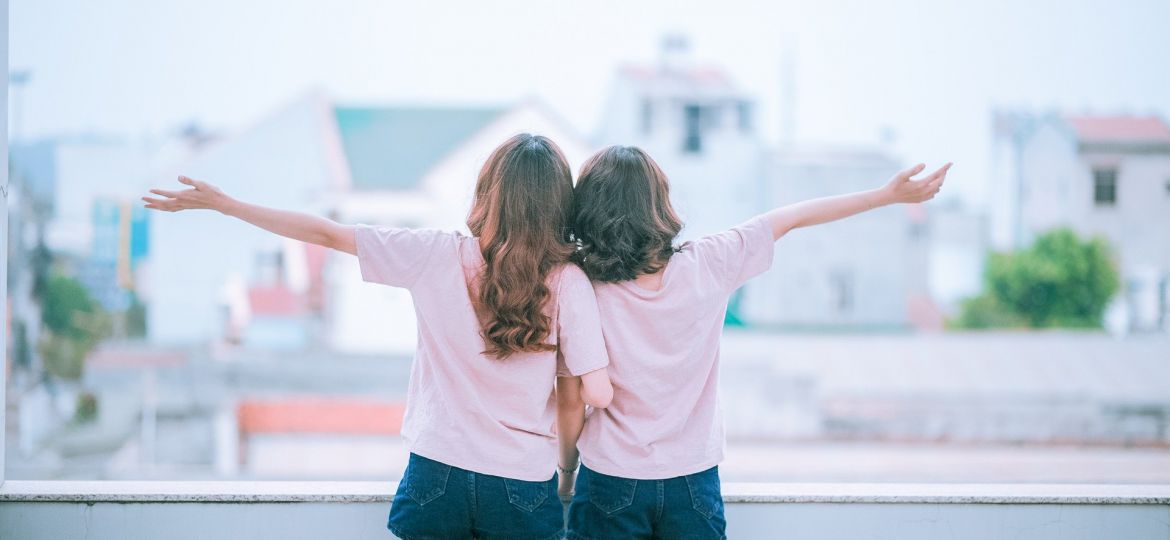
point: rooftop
(407, 140)
(1120, 129)
(320, 415)
(664, 79)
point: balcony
(32, 510)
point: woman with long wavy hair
(501, 314)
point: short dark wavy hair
(622, 217)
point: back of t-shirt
(465, 408)
(663, 347)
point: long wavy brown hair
(521, 216)
(622, 216)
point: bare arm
(596, 390)
(296, 225)
(900, 189)
(570, 421)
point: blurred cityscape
(192, 346)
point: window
(647, 116)
(744, 111)
(918, 230)
(692, 117)
(841, 283)
(1105, 186)
(1164, 302)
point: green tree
(1060, 281)
(74, 324)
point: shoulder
(571, 275)
(754, 230)
(570, 280)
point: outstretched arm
(296, 225)
(900, 189)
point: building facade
(1103, 176)
(701, 128)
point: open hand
(902, 188)
(201, 195)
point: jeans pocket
(426, 479)
(527, 496)
(706, 496)
(610, 493)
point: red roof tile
(275, 300)
(320, 415)
(1120, 128)
(712, 76)
(315, 257)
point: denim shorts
(437, 501)
(683, 507)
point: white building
(959, 242)
(867, 271)
(415, 167)
(1099, 175)
(291, 160)
(402, 166)
(699, 127)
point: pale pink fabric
(464, 408)
(664, 352)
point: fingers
(166, 205)
(940, 173)
(165, 193)
(186, 180)
(906, 174)
(940, 176)
(930, 184)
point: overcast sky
(930, 71)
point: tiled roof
(689, 80)
(1120, 128)
(320, 415)
(275, 300)
(315, 257)
(394, 147)
(698, 75)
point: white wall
(875, 248)
(281, 162)
(88, 170)
(712, 190)
(746, 520)
(375, 318)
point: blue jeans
(438, 501)
(606, 507)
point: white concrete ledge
(744, 492)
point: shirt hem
(656, 474)
(504, 471)
(585, 371)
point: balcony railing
(357, 510)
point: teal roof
(393, 148)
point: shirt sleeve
(395, 256)
(580, 344)
(736, 255)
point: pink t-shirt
(664, 420)
(465, 408)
